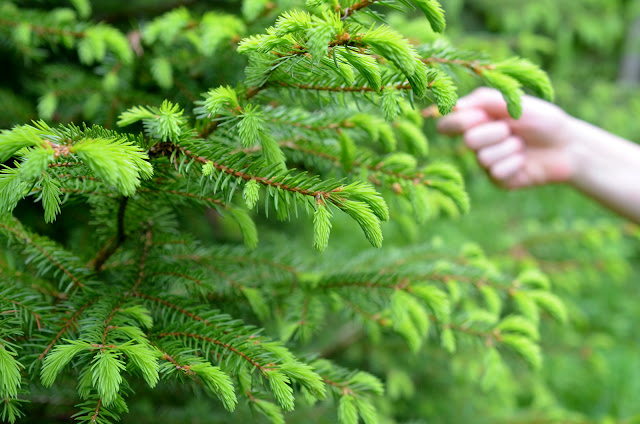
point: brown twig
(113, 244)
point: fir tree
(324, 130)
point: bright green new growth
(326, 122)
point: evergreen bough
(324, 122)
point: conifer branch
(94, 417)
(69, 324)
(172, 306)
(195, 317)
(355, 8)
(113, 244)
(343, 388)
(343, 89)
(178, 275)
(403, 281)
(243, 260)
(26, 308)
(143, 258)
(490, 337)
(42, 30)
(31, 242)
(231, 281)
(474, 65)
(107, 326)
(262, 180)
(215, 201)
(186, 369)
(417, 179)
(64, 164)
(226, 346)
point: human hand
(533, 150)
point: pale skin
(547, 145)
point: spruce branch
(112, 245)
(417, 178)
(27, 308)
(476, 66)
(94, 417)
(148, 240)
(263, 368)
(34, 242)
(69, 325)
(344, 89)
(362, 4)
(43, 30)
(317, 194)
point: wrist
(577, 137)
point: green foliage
(142, 285)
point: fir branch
(362, 4)
(186, 369)
(262, 180)
(43, 30)
(400, 281)
(26, 308)
(417, 178)
(148, 239)
(256, 339)
(243, 259)
(64, 164)
(477, 66)
(31, 242)
(172, 306)
(94, 417)
(490, 337)
(179, 275)
(226, 346)
(112, 245)
(341, 89)
(69, 324)
(107, 326)
(215, 201)
(231, 281)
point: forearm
(606, 168)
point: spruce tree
(151, 127)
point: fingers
(461, 121)
(486, 99)
(489, 156)
(486, 134)
(506, 168)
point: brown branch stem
(113, 244)
(227, 346)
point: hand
(532, 150)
